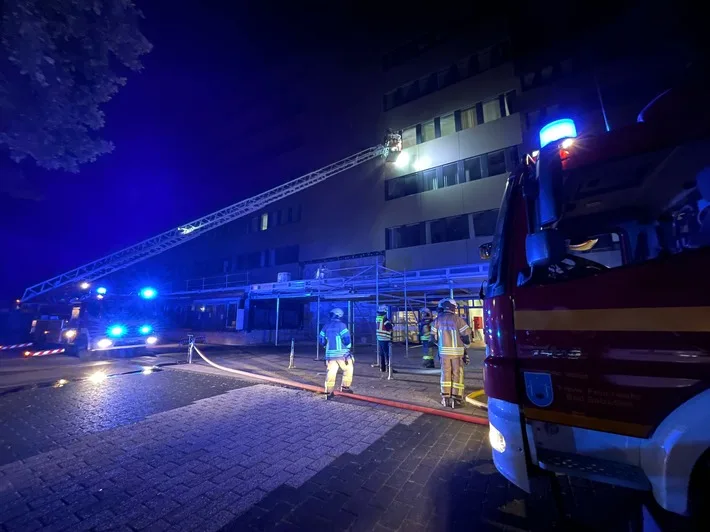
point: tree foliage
(58, 63)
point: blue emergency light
(101, 291)
(559, 129)
(146, 329)
(116, 330)
(148, 292)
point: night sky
(182, 142)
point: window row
(480, 113)
(448, 229)
(261, 259)
(414, 48)
(471, 169)
(269, 220)
(470, 66)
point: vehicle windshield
(631, 210)
(495, 270)
(120, 308)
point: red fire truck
(597, 310)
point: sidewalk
(410, 383)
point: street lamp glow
(422, 163)
(85, 285)
(148, 292)
(402, 160)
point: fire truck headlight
(151, 340)
(104, 343)
(70, 334)
(496, 438)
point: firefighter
(425, 320)
(452, 335)
(335, 338)
(384, 337)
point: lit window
(448, 125)
(428, 131)
(265, 221)
(409, 137)
(491, 110)
(468, 118)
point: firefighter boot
(445, 402)
(346, 389)
(428, 364)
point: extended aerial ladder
(184, 233)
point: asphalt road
(182, 450)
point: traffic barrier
(291, 363)
(46, 352)
(14, 346)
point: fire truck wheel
(699, 493)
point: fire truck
(597, 309)
(121, 324)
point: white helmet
(382, 309)
(425, 312)
(337, 313)
(448, 305)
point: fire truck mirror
(484, 250)
(544, 248)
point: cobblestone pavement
(420, 389)
(259, 457)
(41, 419)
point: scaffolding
(358, 288)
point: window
(509, 103)
(429, 180)
(468, 118)
(491, 110)
(450, 174)
(472, 168)
(286, 255)
(496, 163)
(264, 221)
(254, 224)
(406, 236)
(409, 137)
(449, 229)
(447, 125)
(428, 131)
(484, 222)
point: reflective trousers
(383, 353)
(333, 365)
(452, 376)
(428, 351)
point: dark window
(484, 222)
(451, 174)
(254, 224)
(411, 91)
(512, 158)
(449, 229)
(406, 236)
(403, 186)
(429, 84)
(253, 260)
(472, 168)
(268, 257)
(286, 255)
(496, 163)
(429, 180)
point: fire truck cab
(597, 312)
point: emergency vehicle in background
(122, 324)
(597, 309)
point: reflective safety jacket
(425, 329)
(384, 328)
(451, 334)
(335, 337)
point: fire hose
(377, 400)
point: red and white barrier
(15, 346)
(47, 352)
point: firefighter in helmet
(335, 338)
(425, 319)
(384, 337)
(452, 335)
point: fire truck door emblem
(538, 387)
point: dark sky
(181, 136)
(178, 129)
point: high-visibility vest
(425, 329)
(449, 331)
(383, 324)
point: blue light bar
(559, 129)
(146, 329)
(101, 290)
